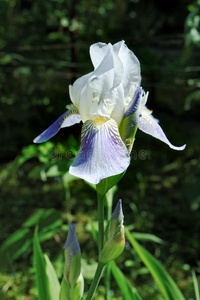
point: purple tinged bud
(72, 240)
(114, 236)
(117, 211)
(72, 268)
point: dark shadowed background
(44, 47)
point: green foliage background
(43, 48)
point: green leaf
(127, 290)
(46, 279)
(147, 237)
(64, 291)
(196, 286)
(39, 263)
(166, 284)
(88, 268)
(54, 285)
(93, 230)
(16, 245)
(20, 241)
(34, 218)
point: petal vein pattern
(102, 154)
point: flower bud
(72, 268)
(114, 236)
(78, 289)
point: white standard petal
(108, 60)
(95, 87)
(149, 125)
(97, 53)
(102, 153)
(101, 85)
(132, 75)
(106, 87)
(76, 89)
(115, 104)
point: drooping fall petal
(149, 125)
(102, 153)
(69, 118)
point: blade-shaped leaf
(54, 285)
(64, 291)
(166, 284)
(147, 237)
(196, 285)
(15, 245)
(20, 242)
(127, 290)
(46, 279)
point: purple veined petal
(69, 118)
(149, 125)
(131, 118)
(135, 102)
(102, 153)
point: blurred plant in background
(192, 41)
(43, 48)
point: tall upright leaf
(47, 283)
(166, 284)
(127, 290)
(196, 285)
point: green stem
(100, 267)
(95, 281)
(101, 220)
(108, 273)
(109, 197)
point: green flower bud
(114, 236)
(74, 283)
(78, 289)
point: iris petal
(97, 53)
(135, 102)
(102, 153)
(131, 66)
(131, 118)
(69, 118)
(115, 104)
(149, 125)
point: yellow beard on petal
(98, 121)
(148, 111)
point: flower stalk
(100, 221)
(95, 281)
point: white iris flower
(110, 103)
